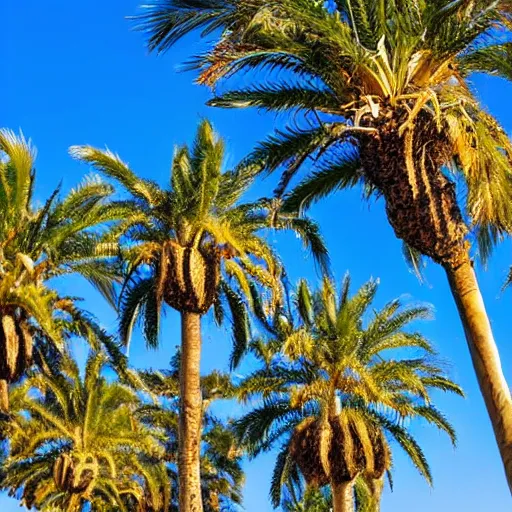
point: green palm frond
(166, 22)
(280, 475)
(291, 149)
(309, 232)
(278, 97)
(495, 59)
(240, 323)
(112, 166)
(304, 302)
(335, 176)
(102, 275)
(433, 416)
(254, 427)
(134, 300)
(407, 442)
(444, 384)
(16, 174)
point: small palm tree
(386, 101)
(222, 476)
(182, 240)
(37, 244)
(335, 394)
(75, 442)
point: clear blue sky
(74, 73)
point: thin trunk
(376, 487)
(4, 396)
(343, 497)
(190, 415)
(486, 359)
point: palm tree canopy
(198, 219)
(358, 69)
(65, 235)
(339, 362)
(76, 440)
(57, 238)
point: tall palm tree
(38, 243)
(336, 392)
(386, 102)
(75, 442)
(181, 241)
(222, 476)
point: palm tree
(182, 240)
(386, 102)
(76, 442)
(222, 476)
(37, 244)
(334, 395)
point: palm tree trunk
(485, 357)
(343, 497)
(4, 396)
(190, 415)
(376, 486)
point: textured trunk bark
(485, 357)
(4, 396)
(343, 497)
(190, 415)
(422, 208)
(376, 487)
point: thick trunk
(421, 203)
(422, 208)
(486, 359)
(343, 497)
(190, 415)
(4, 396)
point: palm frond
(280, 475)
(277, 97)
(133, 300)
(166, 21)
(495, 59)
(240, 325)
(338, 175)
(112, 166)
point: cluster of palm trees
(379, 97)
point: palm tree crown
(182, 239)
(334, 395)
(37, 243)
(76, 440)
